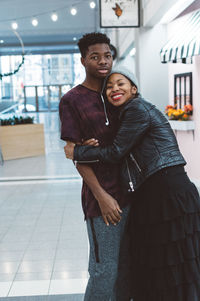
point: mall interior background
(43, 241)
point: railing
(40, 98)
(43, 98)
(9, 109)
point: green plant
(17, 120)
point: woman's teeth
(116, 97)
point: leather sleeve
(135, 121)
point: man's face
(98, 61)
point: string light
(14, 25)
(54, 17)
(73, 11)
(92, 4)
(34, 22)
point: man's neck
(93, 84)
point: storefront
(182, 52)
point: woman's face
(119, 89)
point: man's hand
(69, 150)
(109, 208)
(108, 205)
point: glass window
(51, 74)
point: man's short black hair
(92, 38)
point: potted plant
(20, 137)
(17, 120)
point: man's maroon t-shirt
(82, 117)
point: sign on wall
(123, 13)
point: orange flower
(169, 107)
(188, 108)
(178, 114)
(185, 117)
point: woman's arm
(134, 123)
(109, 207)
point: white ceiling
(48, 36)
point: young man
(83, 115)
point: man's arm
(71, 131)
(108, 205)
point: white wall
(126, 38)
(123, 40)
(152, 74)
(153, 10)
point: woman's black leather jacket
(145, 143)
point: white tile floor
(43, 239)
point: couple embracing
(141, 209)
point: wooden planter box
(21, 141)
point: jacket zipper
(137, 165)
(129, 175)
(91, 161)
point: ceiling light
(34, 22)
(14, 25)
(73, 11)
(92, 4)
(54, 17)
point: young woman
(164, 220)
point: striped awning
(185, 43)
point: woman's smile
(119, 89)
(117, 96)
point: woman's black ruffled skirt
(163, 240)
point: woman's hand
(92, 142)
(69, 147)
(69, 150)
